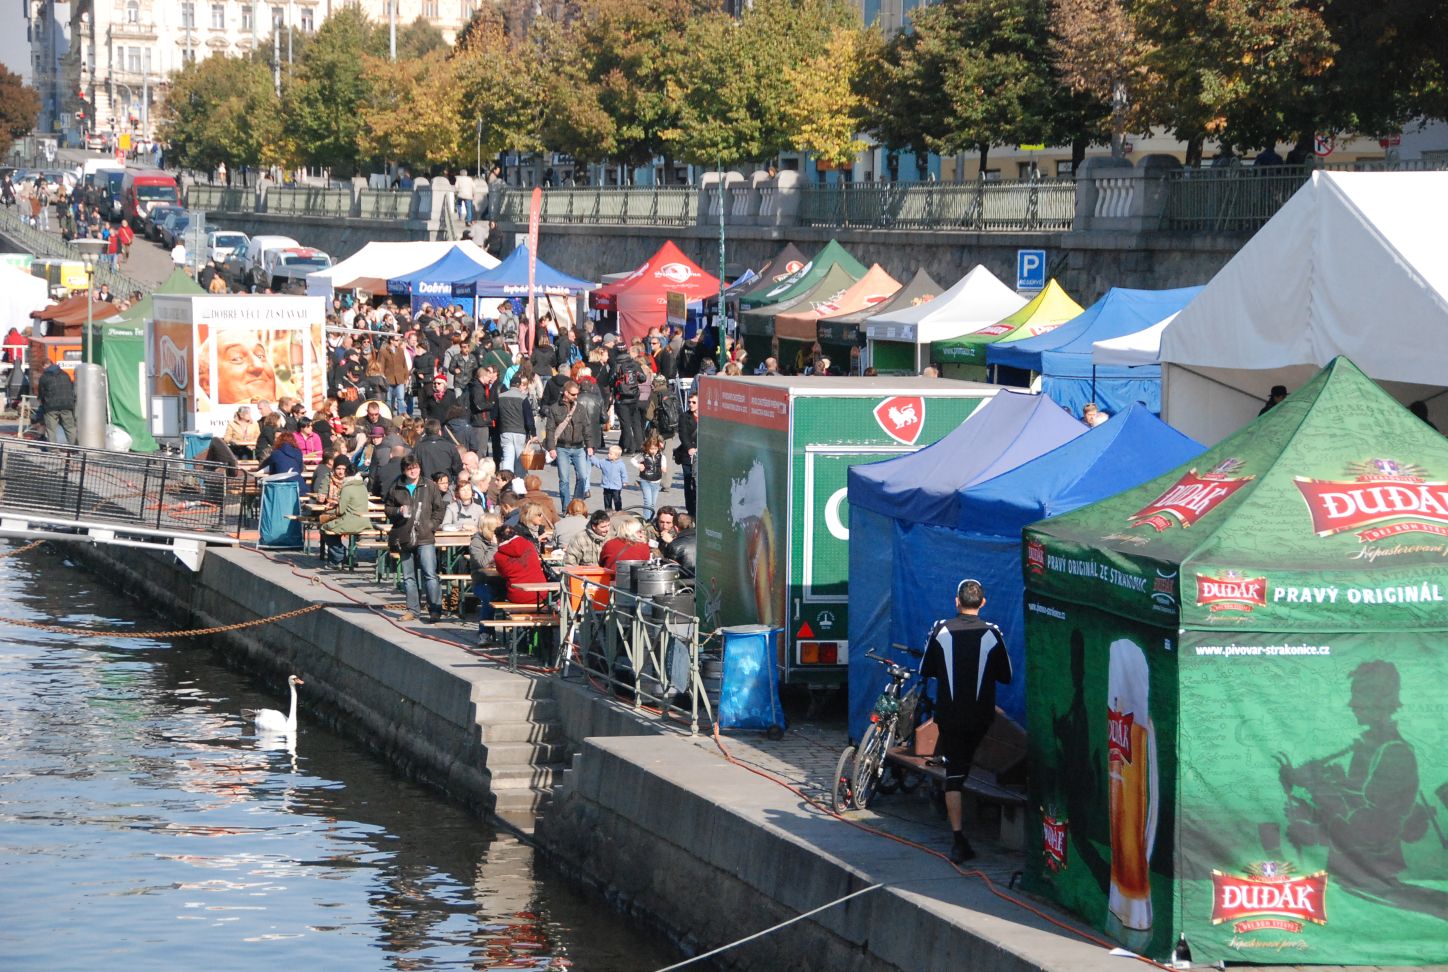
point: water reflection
(135, 802)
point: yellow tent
(1050, 309)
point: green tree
(418, 39)
(974, 71)
(220, 109)
(1097, 54)
(19, 108)
(323, 98)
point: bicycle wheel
(868, 763)
(842, 796)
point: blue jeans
(467, 210)
(577, 460)
(651, 497)
(421, 559)
(513, 443)
(397, 400)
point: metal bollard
(90, 406)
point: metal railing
(308, 201)
(154, 492)
(1231, 199)
(983, 206)
(615, 205)
(220, 199)
(45, 244)
(384, 204)
(633, 647)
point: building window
(146, 60)
(188, 15)
(279, 17)
(307, 23)
(133, 60)
(188, 56)
(429, 9)
(248, 24)
(218, 16)
(133, 12)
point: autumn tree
(731, 79)
(829, 104)
(625, 51)
(1097, 54)
(19, 108)
(413, 111)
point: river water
(141, 826)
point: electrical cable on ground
(973, 873)
(772, 928)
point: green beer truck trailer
(773, 530)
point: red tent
(639, 298)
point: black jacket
(483, 404)
(681, 550)
(438, 454)
(57, 391)
(688, 438)
(437, 408)
(415, 517)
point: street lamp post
(90, 257)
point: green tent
(803, 280)
(1235, 692)
(121, 349)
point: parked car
(246, 269)
(221, 244)
(156, 218)
(289, 267)
(173, 227)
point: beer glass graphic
(1132, 784)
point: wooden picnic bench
(1000, 752)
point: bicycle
(861, 771)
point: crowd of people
(440, 418)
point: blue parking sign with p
(1030, 270)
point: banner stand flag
(535, 214)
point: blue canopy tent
(893, 500)
(983, 540)
(1063, 356)
(510, 279)
(433, 284)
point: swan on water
(270, 720)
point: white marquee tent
(1354, 264)
(1141, 347)
(372, 266)
(20, 293)
(977, 300)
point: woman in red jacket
(629, 542)
(517, 562)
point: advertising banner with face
(241, 349)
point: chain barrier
(193, 633)
(20, 550)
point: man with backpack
(663, 409)
(629, 401)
